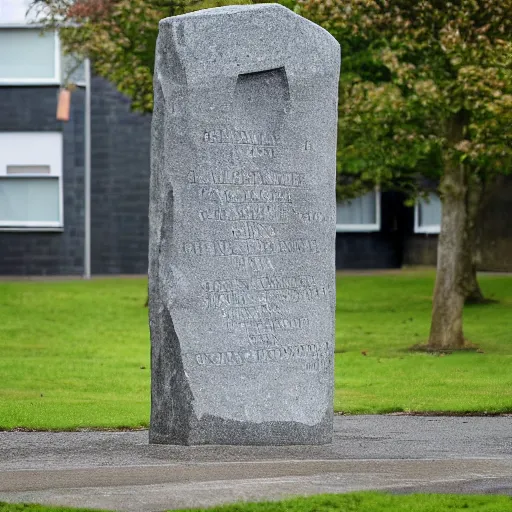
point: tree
(426, 97)
(119, 36)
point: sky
(14, 11)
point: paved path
(119, 470)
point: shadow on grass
(480, 302)
(425, 348)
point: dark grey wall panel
(47, 253)
(25, 109)
(119, 189)
(366, 251)
(495, 228)
(120, 183)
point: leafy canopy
(119, 36)
(410, 71)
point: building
(42, 170)
(42, 163)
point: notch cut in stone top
(241, 9)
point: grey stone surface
(242, 228)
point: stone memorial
(242, 228)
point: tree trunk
(448, 302)
(474, 198)
(474, 293)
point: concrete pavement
(119, 470)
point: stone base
(215, 430)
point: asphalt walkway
(121, 471)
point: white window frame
(364, 228)
(431, 229)
(55, 80)
(55, 172)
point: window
(427, 215)
(359, 214)
(31, 180)
(29, 57)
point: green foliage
(119, 36)
(76, 354)
(408, 70)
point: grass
(382, 316)
(352, 502)
(75, 354)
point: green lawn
(352, 502)
(76, 354)
(384, 315)
(71, 354)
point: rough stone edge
(169, 417)
(241, 9)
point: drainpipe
(87, 171)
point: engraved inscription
(249, 247)
(252, 230)
(248, 177)
(263, 339)
(252, 263)
(309, 216)
(244, 142)
(268, 326)
(318, 365)
(234, 298)
(242, 313)
(255, 151)
(269, 282)
(254, 206)
(229, 136)
(262, 356)
(257, 307)
(248, 212)
(244, 195)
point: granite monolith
(242, 228)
